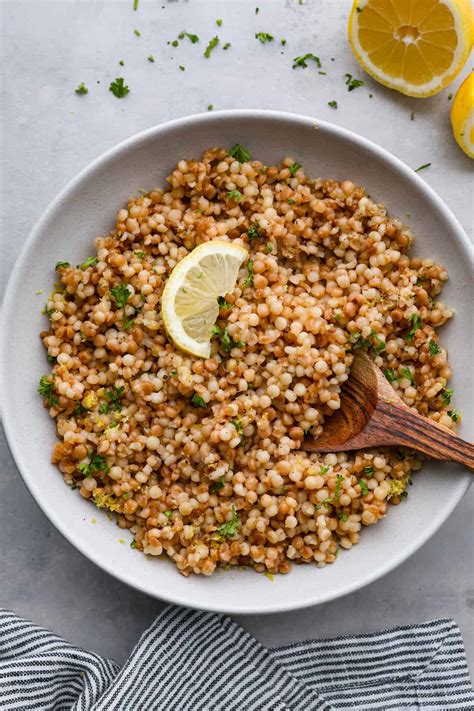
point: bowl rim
(47, 507)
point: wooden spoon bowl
(373, 415)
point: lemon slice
(414, 46)
(189, 302)
(462, 115)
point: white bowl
(87, 208)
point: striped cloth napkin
(197, 661)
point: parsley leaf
(337, 491)
(96, 464)
(406, 373)
(151, 58)
(228, 343)
(90, 262)
(434, 348)
(227, 45)
(248, 281)
(390, 375)
(191, 37)
(61, 265)
(323, 469)
(303, 61)
(369, 470)
(81, 89)
(264, 37)
(234, 195)
(422, 167)
(118, 88)
(113, 396)
(332, 104)
(219, 23)
(218, 485)
(240, 153)
(454, 415)
(446, 396)
(253, 231)
(168, 513)
(343, 517)
(223, 304)
(352, 83)
(212, 43)
(293, 168)
(238, 426)
(46, 390)
(230, 527)
(120, 295)
(198, 401)
(416, 324)
(210, 107)
(363, 487)
(137, 33)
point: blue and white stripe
(197, 661)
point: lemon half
(189, 302)
(414, 46)
(462, 115)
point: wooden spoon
(373, 415)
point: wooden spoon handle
(412, 430)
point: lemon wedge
(414, 46)
(189, 302)
(462, 115)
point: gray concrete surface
(49, 133)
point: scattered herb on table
(212, 43)
(95, 464)
(283, 42)
(219, 23)
(240, 153)
(118, 88)
(151, 58)
(434, 348)
(120, 295)
(198, 401)
(182, 68)
(81, 89)
(210, 107)
(352, 83)
(137, 33)
(303, 61)
(46, 390)
(257, 10)
(133, 544)
(193, 38)
(450, 96)
(122, 63)
(135, 4)
(422, 167)
(227, 45)
(264, 37)
(332, 104)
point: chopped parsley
(248, 281)
(446, 396)
(434, 348)
(227, 45)
(230, 527)
(323, 469)
(81, 89)
(412, 116)
(450, 96)
(227, 342)
(240, 153)
(135, 4)
(218, 485)
(416, 324)
(140, 255)
(118, 88)
(264, 37)
(189, 35)
(151, 58)
(343, 517)
(212, 43)
(257, 10)
(198, 401)
(454, 415)
(95, 464)
(293, 168)
(219, 23)
(390, 375)
(238, 426)
(283, 42)
(269, 248)
(210, 107)
(137, 33)
(113, 396)
(174, 43)
(234, 195)
(369, 470)
(168, 513)
(120, 295)
(363, 487)
(406, 373)
(291, 201)
(352, 83)
(422, 167)
(133, 544)
(122, 63)
(253, 231)
(79, 410)
(46, 390)
(332, 104)
(337, 491)
(303, 61)
(182, 67)
(223, 304)
(61, 265)
(90, 262)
